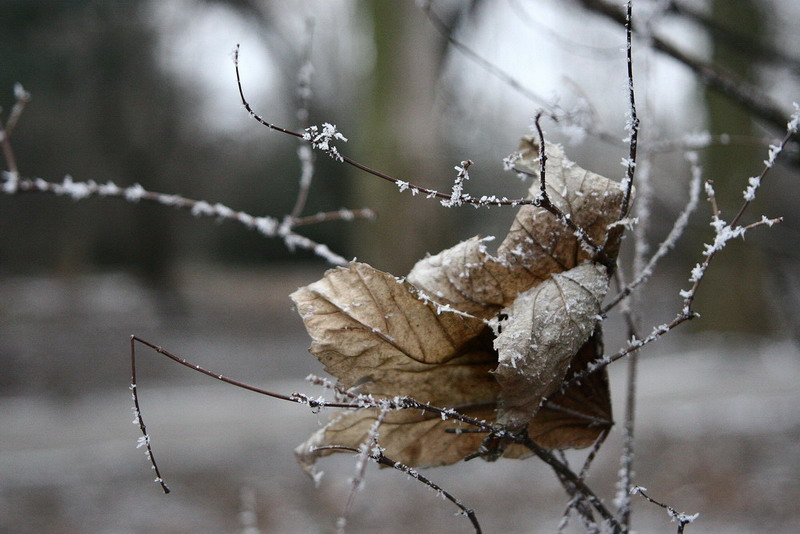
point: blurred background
(145, 92)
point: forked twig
(377, 456)
(577, 498)
(682, 518)
(402, 185)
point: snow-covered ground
(718, 428)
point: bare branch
(745, 94)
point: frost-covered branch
(266, 226)
(356, 402)
(370, 448)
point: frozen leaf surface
(540, 333)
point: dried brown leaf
(540, 244)
(427, 336)
(370, 329)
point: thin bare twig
(22, 98)
(358, 402)
(304, 153)
(543, 201)
(568, 475)
(145, 439)
(633, 125)
(682, 518)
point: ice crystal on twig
(322, 139)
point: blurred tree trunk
(736, 287)
(398, 135)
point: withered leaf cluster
(493, 336)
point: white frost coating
(768, 222)
(697, 273)
(457, 195)
(510, 160)
(76, 190)
(223, 211)
(794, 122)
(709, 189)
(266, 225)
(755, 182)
(681, 517)
(202, 208)
(774, 150)
(10, 182)
(323, 140)
(546, 326)
(108, 189)
(134, 193)
(20, 93)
